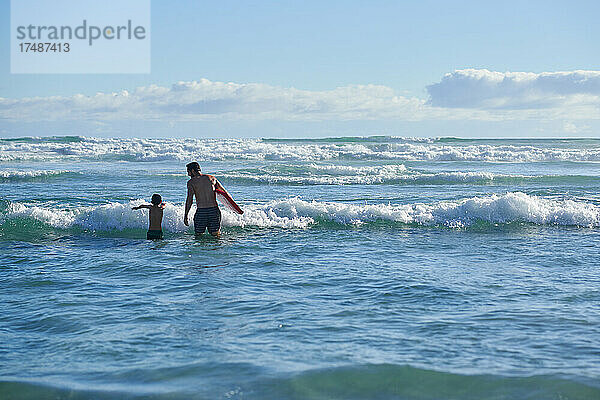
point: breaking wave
(370, 381)
(297, 213)
(383, 148)
(495, 209)
(29, 176)
(314, 174)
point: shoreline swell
(345, 382)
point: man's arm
(188, 202)
(216, 184)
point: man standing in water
(203, 186)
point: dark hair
(193, 166)
(156, 199)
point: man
(203, 186)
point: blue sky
(317, 47)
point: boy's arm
(141, 206)
(188, 202)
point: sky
(331, 68)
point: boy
(155, 216)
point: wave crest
(496, 209)
(297, 213)
(314, 174)
(392, 149)
(358, 381)
(29, 176)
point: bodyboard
(228, 202)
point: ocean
(363, 268)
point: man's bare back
(203, 186)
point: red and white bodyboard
(227, 201)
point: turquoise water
(362, 268)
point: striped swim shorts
(207, 218)
(154, 234)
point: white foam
(120, 216)
(113, 216)
(298, 213)
(345, 170)
(9, 175)
(136, 149)
(314, 174)
(510, 207)
(265, 216)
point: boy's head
(193, 168)
(156, 199)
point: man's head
(193, 169)
(156, 199)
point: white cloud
(572, 128)
(575, 92)
(461, 95)
(203, 100)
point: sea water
(362, 268)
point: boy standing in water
(155, 216)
